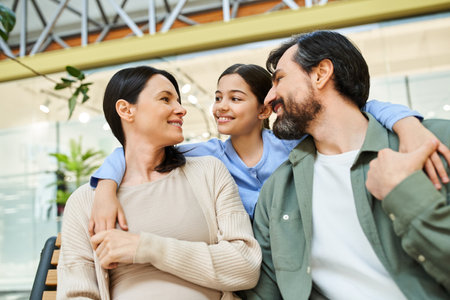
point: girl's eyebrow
(233, 91)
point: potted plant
(73, 170)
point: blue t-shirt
(249, 179)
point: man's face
(292, 98)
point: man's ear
(323, 73)
(265, 112)
(125, 110)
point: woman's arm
(77, 277)
(230, 264)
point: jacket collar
(375, 140)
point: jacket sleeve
(388, 114)
(230, 264)
(421, 218)
(267, 287)
(76, 269)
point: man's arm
(420, 213)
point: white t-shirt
(343, 264)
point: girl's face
(236, 108)
(158, 112)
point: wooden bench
(45, 289)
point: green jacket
(409, 230)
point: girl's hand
(106, 209)
(412, 135)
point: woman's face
(236, 108)
(158, 112)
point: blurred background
(406, 45)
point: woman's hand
(106, 209)
(115, 246)
(412, 135)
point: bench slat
(51, 279)
(55, 258)
(49, 295)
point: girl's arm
(106, 209)
(406, 124)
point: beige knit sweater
(230, 262)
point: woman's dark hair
(351, 73)
(257, 78)
(127, 84)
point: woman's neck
(141, 160)
(249, 147)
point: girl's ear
(125, 110)
(265, 112)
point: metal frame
(277, 24)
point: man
(321, 231)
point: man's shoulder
(278, 180)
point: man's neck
(339, 128)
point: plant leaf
(73, 71)
(8, 20)
(60, 157)
(85, 98)
(72, 103)
(4, 35)
(61, 86)
(67, 80)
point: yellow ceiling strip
(219, 34)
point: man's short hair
(351, 73)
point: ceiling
(413, 46)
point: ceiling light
(106, 127)
(44, 108)
(446, 107)
(192, 99)
(431, 114)
(186, 88)
(84, 117)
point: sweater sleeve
(231, 263)
(76, 269)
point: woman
(251, 153)
(189, 235)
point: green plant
(78, 165)
(8, 20)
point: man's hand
(115, 246)
(391, 167)
(106, 209)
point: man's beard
(296, 117)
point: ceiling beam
(221, 34)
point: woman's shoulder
(82, 197)
(206, 165)
(203, 161)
